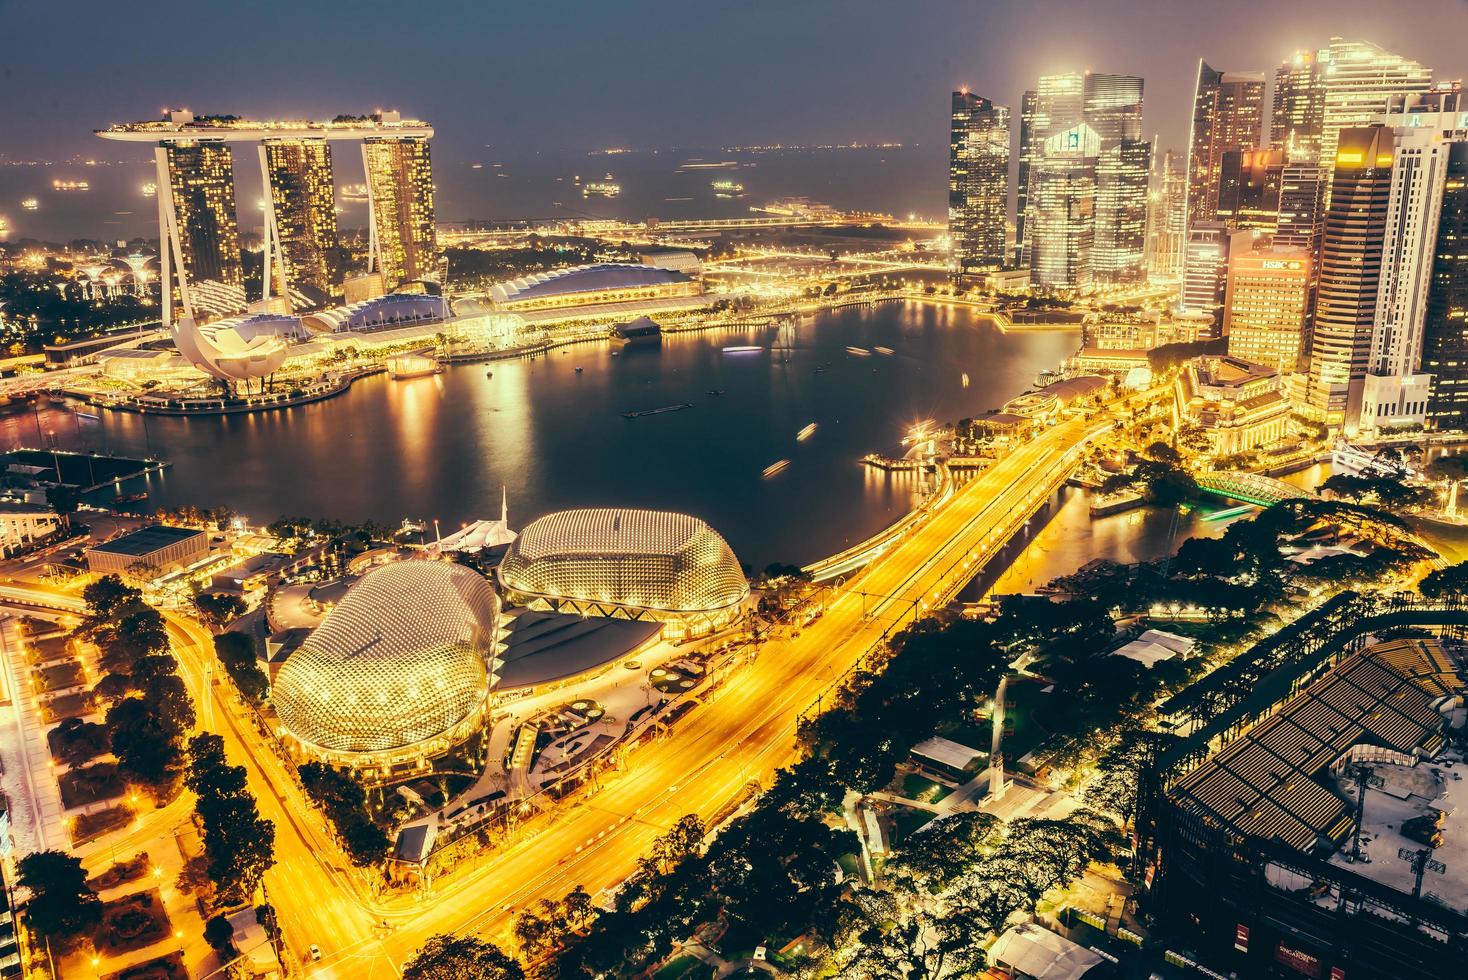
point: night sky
(574, 75)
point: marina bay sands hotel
(198, 230)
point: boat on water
(657, 411)
(489, 374)
(743, 350)
(805, 433)
(716, 391)
(859, 351)
(601, 188)
(30, 204)
(775, 467)
(884, 351)
(579, 369)
(965, 379)
(70, 185)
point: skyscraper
(199, 208)
(1118, 254)
(1112, 108)
(1424, 134)
(1301, 220)
(1062, 209)
(1228, 113)
(301, 222)
(1167, 216)
(1299, 108)
(978, 182)
(1267, 305)
(1359, 81)
(1205, 267)
(1248, 188)
(1350, 270)
(1053, 106)
(404, 241)
(1445, 326)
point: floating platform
(657, 411)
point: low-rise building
(23, 525)
(1239, 405)
(148, 551)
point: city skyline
(930, 46)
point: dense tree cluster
(239, 844)
(235, 651)
(151, 712)
(345, 803)
(62, 906)
(461, 958)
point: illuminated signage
(1344, 157)
(1297, 960)
(1290, 264)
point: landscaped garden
(90, 784)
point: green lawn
(685, 967)
(906, 820)
(923, 789)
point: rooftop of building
(542, 647)
(1273, 781)
(1228, 372)
(148, 540)
(181, 124)
(596, 278)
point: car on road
(315, 952)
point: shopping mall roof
(147, 540)
(597, 278)
(380, 313)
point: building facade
(1053, 106)
(1119, 251)
(978, 183)
(400, 199)
(1228, 114)
(1360, 80)
(1350, 271)
(200, 215)
(1248, 189)
(1395, 391)
(1267, 306)
(1167, 216)
(301, 219)
(1445, 326)
(1299, 109)
(1205, 267)
(1237, 404)
(1062, 209)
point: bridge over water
(1251, 488)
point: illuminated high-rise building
(1205, 267)
(1445, 326)
(1051, 107)
(1248, 188)
(1425, 131)
(1112, 108)
(978, 182)
(1267, 306)
(1167, 216)
(1119, 249)
(300, 226)
(199, 258)
(1299, 108)
(1062, 209)
(198, 206)
(1301, 218)
(1228, 114)
(1360, 80)
(404, 241)
(1350, 271)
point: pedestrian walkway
(37, 819)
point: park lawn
(923, 789)
(850, 866)
(685, 967)
(1025, 729)
(906, 820)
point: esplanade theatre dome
(399, 670)
(633, 563)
